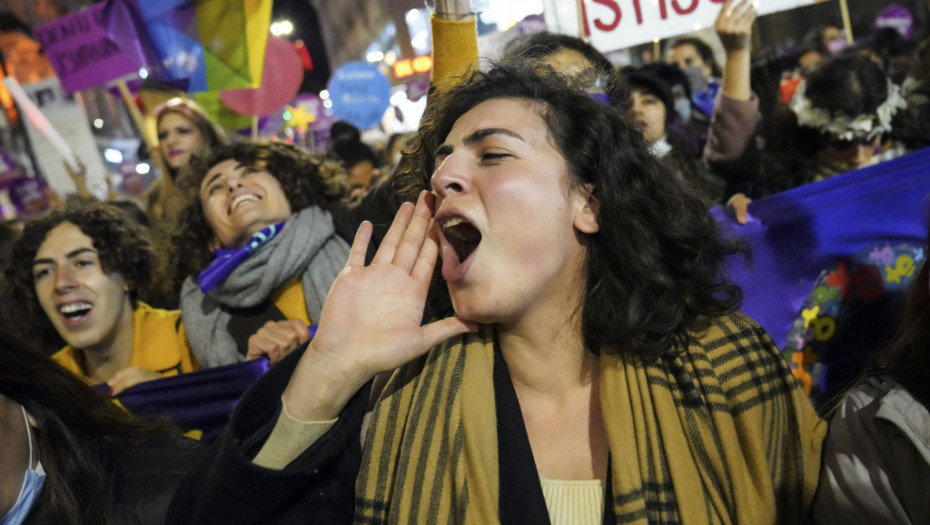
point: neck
(550, 358)
(114, 352)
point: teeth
(242, 198)
(75, 308)
(454, 221)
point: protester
(79, 271)
(361, 164)
(72, 457)
(838, 119)
(696, 58)
(255, 246)
(583, 66)
(594, 346)
(877, 453)
(184, 129)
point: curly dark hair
(654, 268)
(847, 84)
(308, 179)
(538, 46)
(122, 245)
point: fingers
(408, 253)
(439, 331)
(359, 245)
(129, 377)
(392, 239)
(739, 205)
(276, 339)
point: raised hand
(370, 322)
(734, 27)
(734, 24)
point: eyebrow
(70, 255)
(218, 175)
(477, 137)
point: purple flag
(82, 53)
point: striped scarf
(717, 432)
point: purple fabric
(796, 234)
(227, 260)
(705, 100)
(201, 400)
(82, 52)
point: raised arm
(731, 148)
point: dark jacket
(148, 473)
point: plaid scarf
(714, 432)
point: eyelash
(494, 156)
(80, 263)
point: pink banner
(82, 53)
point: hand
(370, 322)
(734, 24)
(130, 376)
(738, 207)
(277, 339)
(78, 174)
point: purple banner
(82, 53)
(197, 401)
(797, 234)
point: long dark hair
(307, 180)
(654, 267)
(79, 432)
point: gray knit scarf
(307, 247)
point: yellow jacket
(159, 344)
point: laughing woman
(255, 249)
(79, 271)
(595, 369)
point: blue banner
(815, 234)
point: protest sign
(360, 94)
(68, 119)
(617, 24)
(82, 54)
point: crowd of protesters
(517, 314)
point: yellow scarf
(718, 432)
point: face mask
(695, 78)
(683, 107)
(32, 486)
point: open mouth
(75, 312)
(462, 236)
(242, 199)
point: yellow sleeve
(455, 50)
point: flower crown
(862, 127)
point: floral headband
(862, 127)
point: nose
(863, 154)
(64, 281)
(451, 177)
(636, 107)
(233, 182)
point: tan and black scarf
(717, 432)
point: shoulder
(742, 359)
